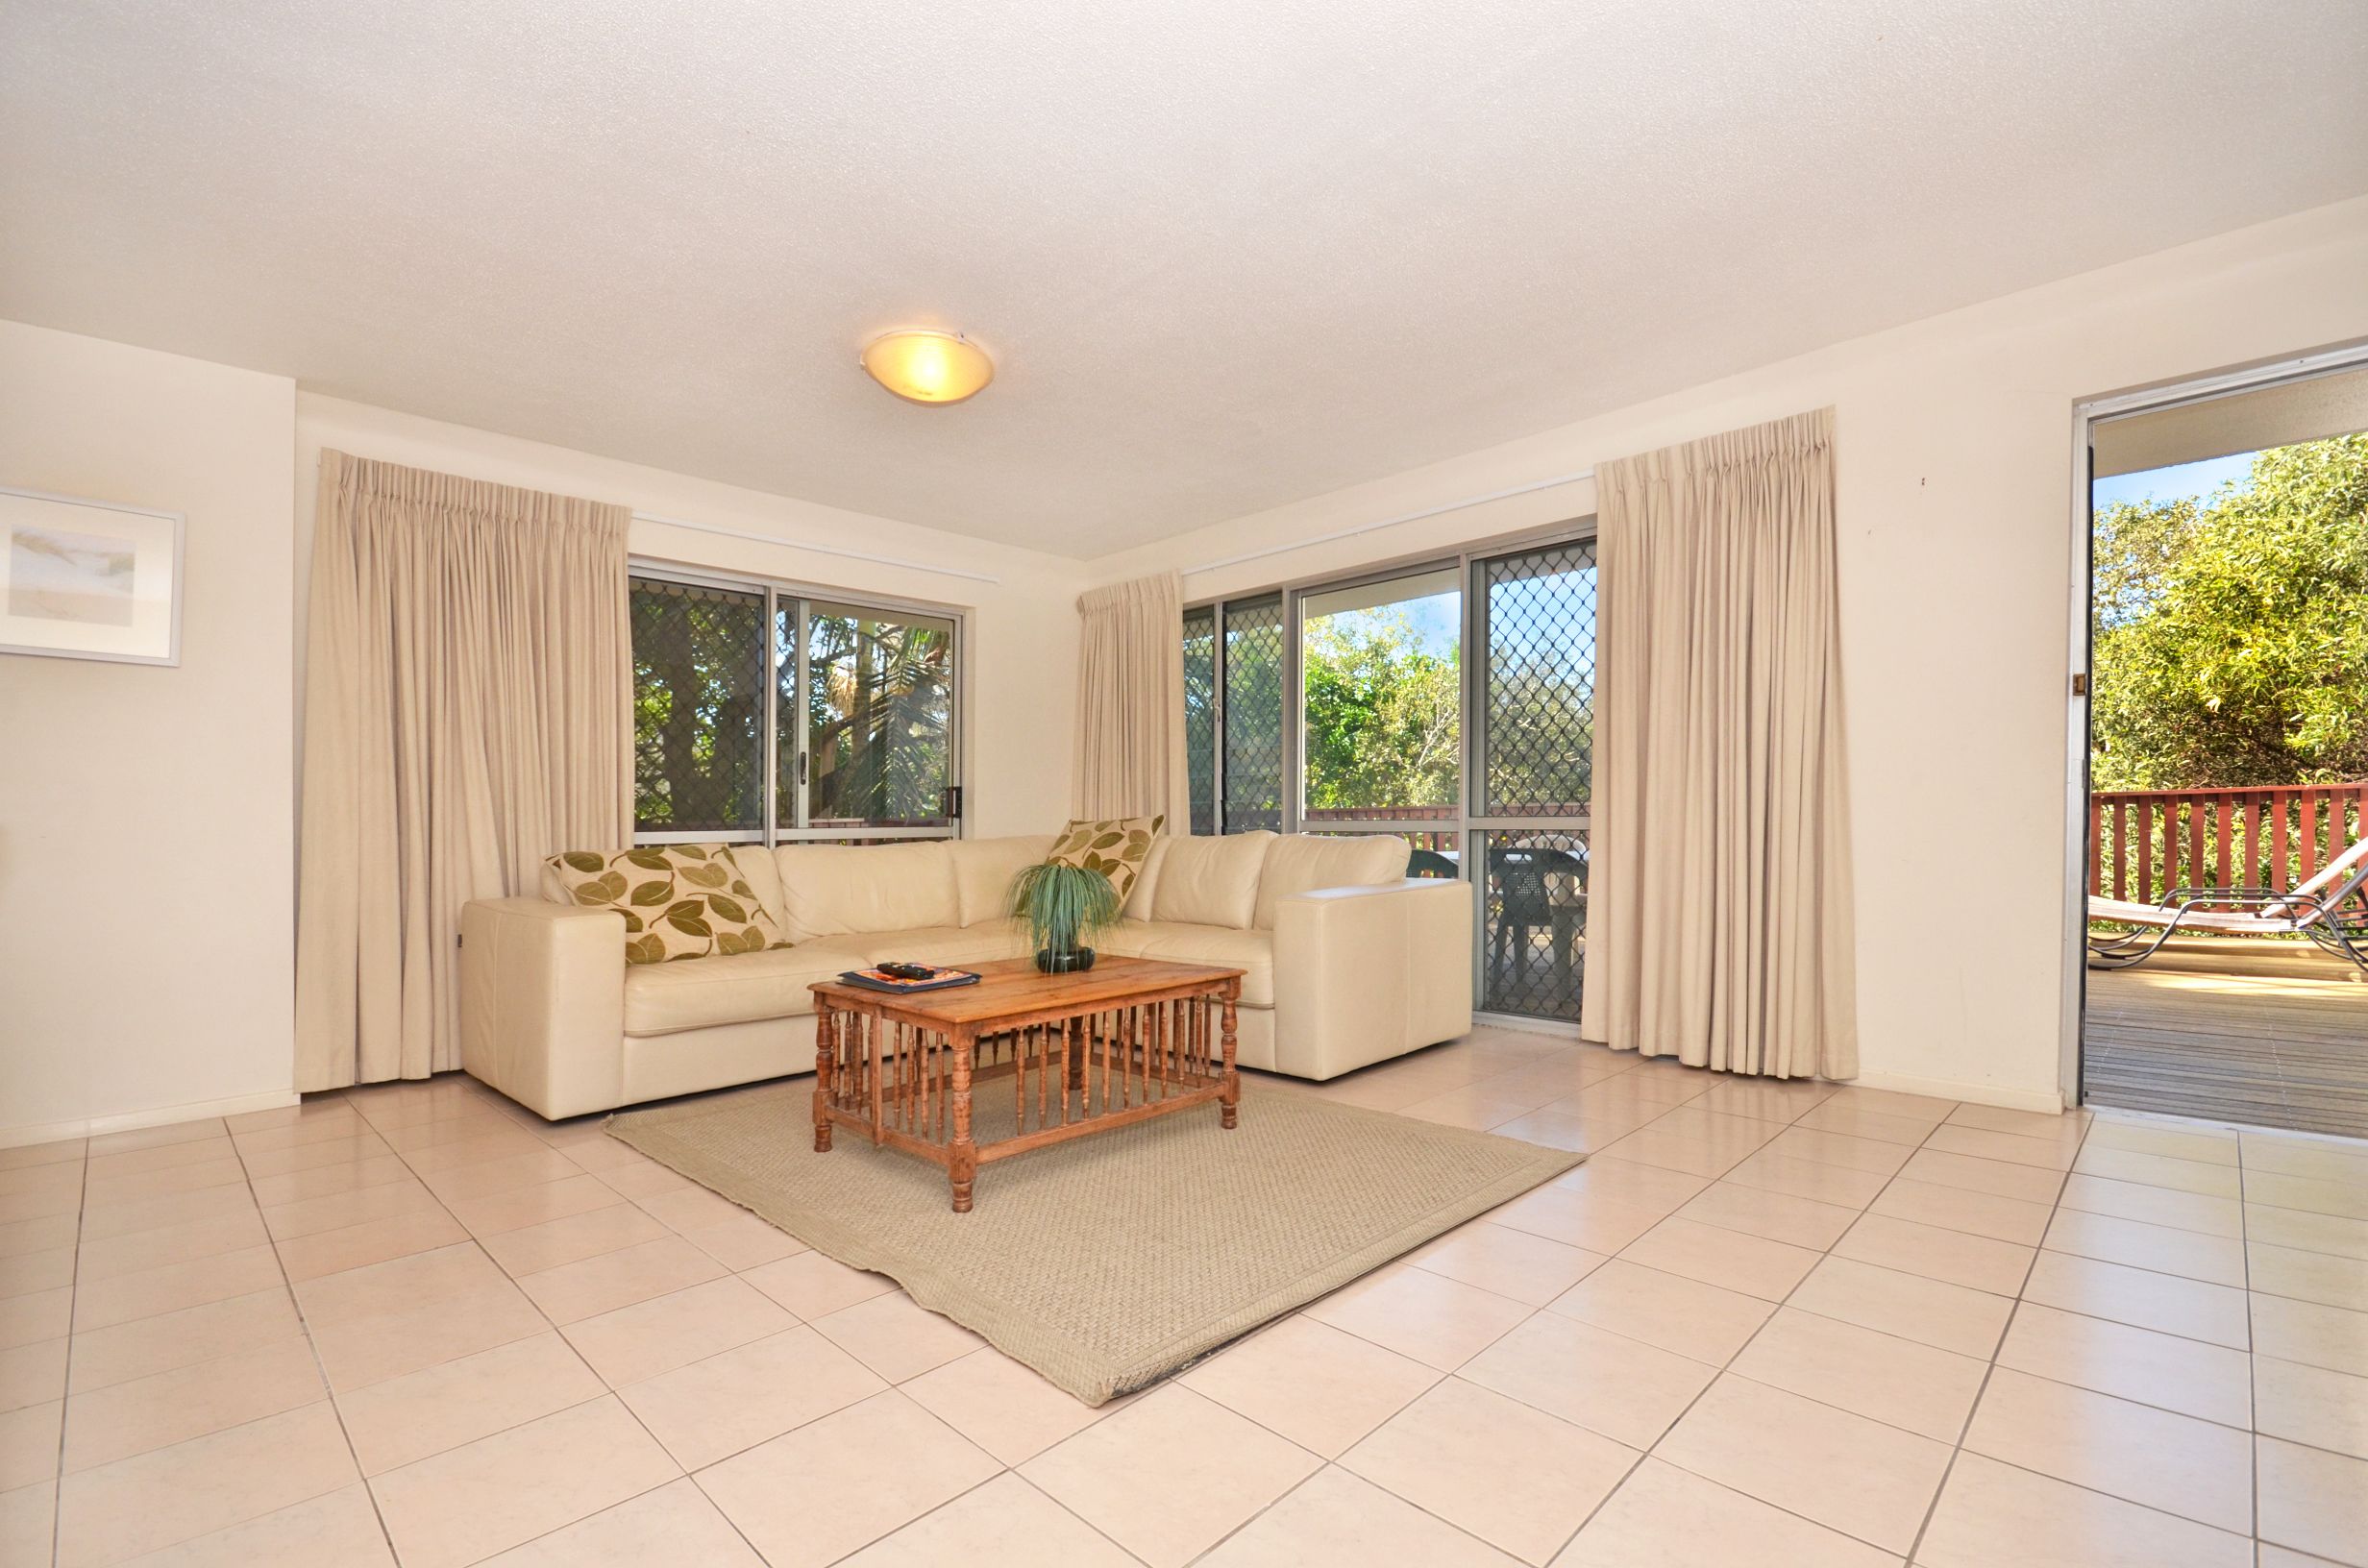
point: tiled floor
(1776, 1325)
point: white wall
(1021, 645)
(1955, 468)
(146, 925)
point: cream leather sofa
(1347, 961)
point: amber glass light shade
(923, 366)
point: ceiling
(1227, 255)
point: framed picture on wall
(88, 579)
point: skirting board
(163, 1115)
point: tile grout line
(66, 1388)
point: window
(760, 716)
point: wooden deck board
(2275, 1035)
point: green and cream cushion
(680, 900)
(1116, 847)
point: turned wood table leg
(1232, 1098)
(962, 1166)
(826, 1050)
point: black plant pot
(1069, 962)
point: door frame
(2087, 414)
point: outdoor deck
(2271, 1034)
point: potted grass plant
(1062, 905)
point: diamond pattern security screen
(1539, 688)
(1253, 728)
(879, 710)
(1201, 716)
(698, 708)
(1533, 913)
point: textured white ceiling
(1227, 254)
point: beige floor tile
(571, 1239)
(1713, 1146)
(1999, 1178)
(1337, 1520)
(104, 1303)
(1515, 1476)
(1727, 1259)
(674, 1527)
(587, 1288)
(2163, 1170)
(1704, 1322)
(1929, 1109)
(42, 1233)
(358, 1352)
(1628, 1391)
(364, 1148)
(1917, 1387)
(206, 1485)
(1777, 1216)
(60, 1152)
(1322, 1388)
(2306, 1331)
(532, 1167)
(2312, 1404)
(2305, 1230)
(477, 1142)
(2305, 1276)
(2157, 1459)
(656, 1336)
(183, 1338)
(1958, 1209)
(1169, 1475)
(372, 1242)
(2313, 1500)
(1511, 1263)
(1765, 1099)
(897, 1336)
(28, 1272)
(32, 1374)
(141, 1137)
(688, 1207)
(744, 1241)
(110, 1192)
(1433, 1319)
(336, 1211)
(814, 1285)
(2216, 1259)
(1993, 1515)
(1006, 1523)
(2325, 1159)
(2155, 1205)
(1576, 1218)
(2047, 1153)
(815, 1494)
(466, 1504)
(521, 1206)
(272, 1191)
(1006, 1409)
(1800, 1178)
(1853, 1120)
(142, 1250)
(2164, 1302)
(1559, 1129)
(2214, 1146)
(337, 1530)
(166, 1407)
(45, 1314)
(1937, 1252)
(29, 1444)
(2209, 1381)
(438, 1408)
(1663, 1517)
(173, 1209)
(644, 1179)
(399, 1284)
(29, 1524)
(1843, 1471)
(741, 1397)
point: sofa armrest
(1361, 975)
(542, 1003)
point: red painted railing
(2144, 842)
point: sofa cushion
(983, 870)
(830, 890)
(680, 901)
(956, 944)
(1304, 862)
(1250, 951)
(661, 998)
(1139, 901)
(1211, 881)
(1113, 845)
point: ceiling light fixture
(923, 366)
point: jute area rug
(1110, 1261)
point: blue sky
(2181, 480)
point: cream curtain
(1130, 702)
(1719, 924)
(467, 711)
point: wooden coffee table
(1128, 1040)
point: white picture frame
(89, 579)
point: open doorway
(2226, 847)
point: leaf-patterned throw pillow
(1116, 847)
(680, 900)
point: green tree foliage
(877, 709)
(1381, 714)
(2232, 636)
